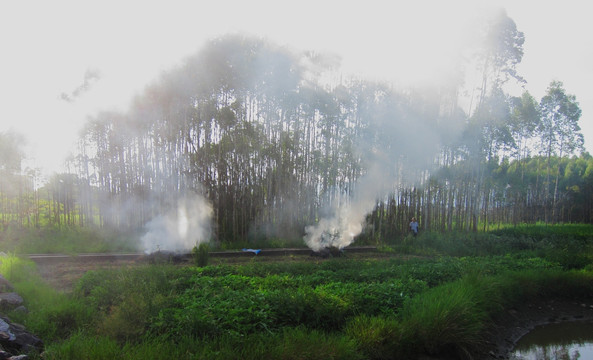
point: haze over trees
(272, 138)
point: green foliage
(569, 245)
(301, 343)
(126, 320)
(58, 319)
(445, 318)
(468, 243)
(541, 231)
(210, 302)
(378, 337)
(16, 269)
(126, 299)
(66, 240)
(529, 285)
(93, 347)
(52, 315)
(449, 318)
(338, 308)
(570, 256)
(452, 318)
(291, 343)
(201, 254)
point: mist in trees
(249, 140)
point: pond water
(564, 341)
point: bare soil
(62, 275)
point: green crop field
(378, 306)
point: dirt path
(63, 274)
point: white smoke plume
(408, 152)
(347, 216)
(185, 225)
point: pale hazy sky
(48, 46)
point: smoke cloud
(185, 225)
(408, 150)
(347, 216)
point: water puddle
(565, 341)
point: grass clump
(446, 319)
(378, 337)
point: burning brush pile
(335, 232)
(326, 246)
(166, 257)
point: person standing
(414, 226)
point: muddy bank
(515, 322)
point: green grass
(540, 231)
(54, 315)
(290, 344)
(568, 245)
(66, 240)
(15, 269)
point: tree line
(272, 137)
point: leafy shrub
(127, 320)
(434, 272)
(201, 254)
(385, 298)
(214, 306)
(313, 308)
(570, 255)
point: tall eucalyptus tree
(501, 50)
(11, 182)
(559, 130)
